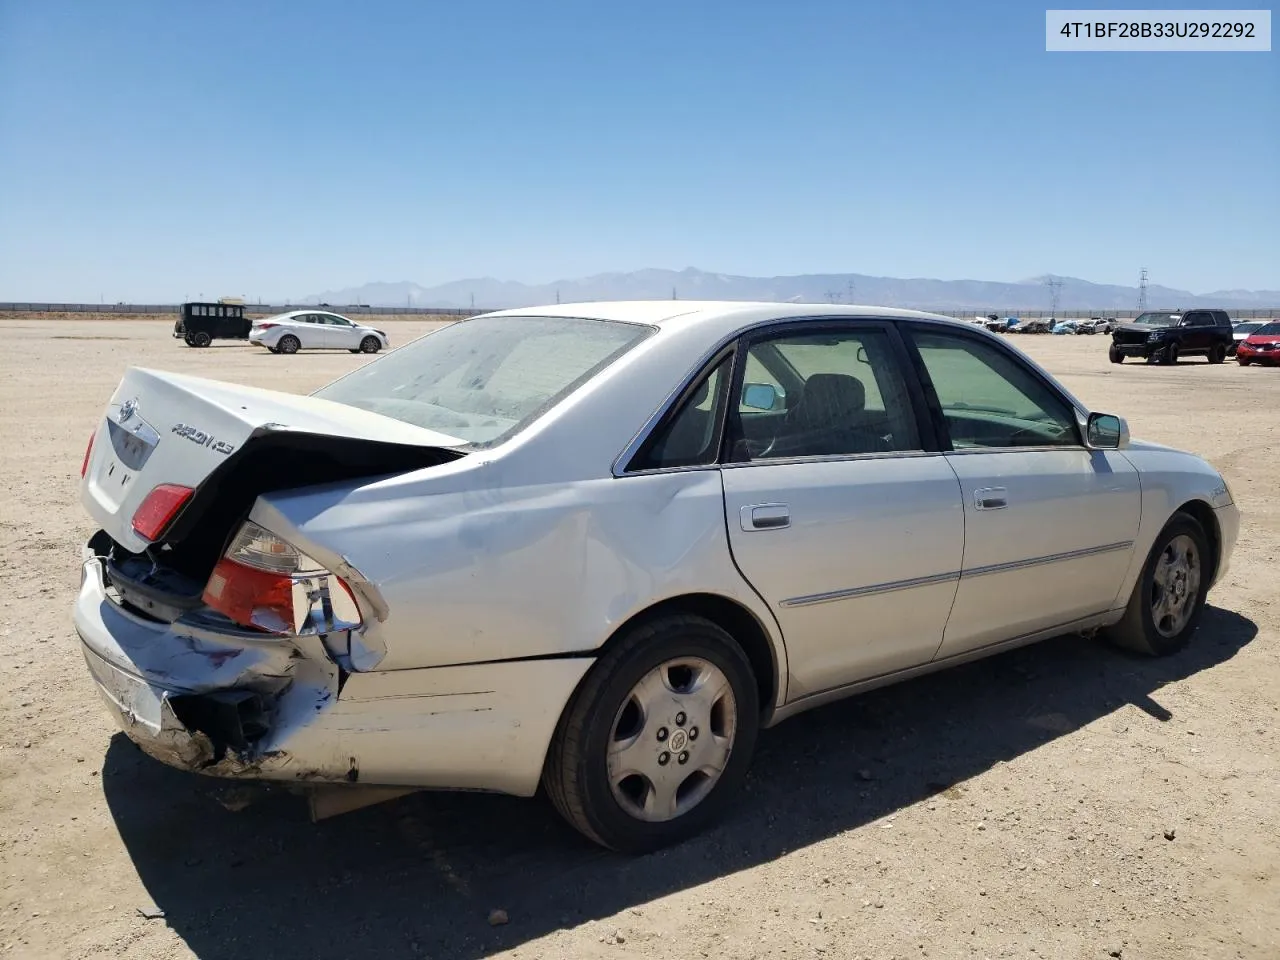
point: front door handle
(990, 498)
(765, 516)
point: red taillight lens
(252, 598)
(266, 326)
(265, 583)
(159, 508)
(88, 451)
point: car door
(1049, 524)
(340, 333)
(311, 330)
(841, 512)
(1197, 328)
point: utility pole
(852, 286)
(473, 301)
(1142, 290)
(1054, 285)
(833, 297)
(673, 294)
(557, 296)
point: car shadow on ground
(417, 877)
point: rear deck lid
(167, 428)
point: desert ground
(1061, 801)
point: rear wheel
(1115, 354)
(370, 344)
(288, 344)
(658, 738)
(1169, 597)
(1217, 353)
(200, 339)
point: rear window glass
(1268, 330)
(484, 380)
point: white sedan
(599, 547)
(315, 330)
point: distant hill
(693, 284)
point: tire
(354, 350)
(1243, 361)
(200, 339)
(1115, 354)
(189, 340)
(370, 344)
(1139, 630)
(1217, 353)
(288, 344)
(1170, 354)
(676, 724)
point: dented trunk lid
(231, 443)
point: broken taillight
(88, 451)
(265, 583)
(157, 511)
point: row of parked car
(999, 324)
(199, 324)
(1164, 336)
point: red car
(1261, 346)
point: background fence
(265, 309)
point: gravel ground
(1063, 800)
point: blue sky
(153, 150)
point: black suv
(1162, 336)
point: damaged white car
(599, 547)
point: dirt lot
(1013, 808)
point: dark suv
(1162, 336)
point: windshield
(1268, 330)
(1158, 319)
(483, 380)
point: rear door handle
(990, 498)
(765, 516)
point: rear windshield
(484, 380)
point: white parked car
(315, 330)
(600, 546)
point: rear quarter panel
(473, 569)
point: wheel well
(736, 620)
(1207, 519)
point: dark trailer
(199, 324)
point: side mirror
(1104, 431)
(759, 396)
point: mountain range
(693, 284)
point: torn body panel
(205, 699)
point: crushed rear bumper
(237, 705)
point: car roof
(670, 313)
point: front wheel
(1243, 361)
(370, 344)
(1115, 354)
(1171, 353)
(1169, 597)
(200, 339)
(288, 344)
(658, 738)
(1217, 353)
